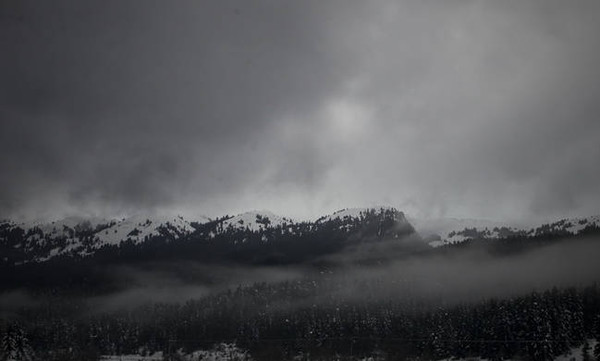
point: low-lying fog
(467, 275)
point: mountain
(392, 223)
(442, 231)
(255, 221)
(262, 237)
(83, 236)
(355, 281)
(255, 236)
(92, 257)
(241, 237)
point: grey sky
(461, 108)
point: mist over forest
(377, 294)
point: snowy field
(156, 357)
(230, 352)
(220, 352)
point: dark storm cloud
(470, 108)
(140, 103)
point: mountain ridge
(80, 236)
(445, 231)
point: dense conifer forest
(309, 317)
(318, 316)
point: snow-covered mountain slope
(82, 236)
(137, 228)
(26, 242)
(572, 225)
(255, 221)
(355, 213)
(441, 231)
(59, 227)
(8, 224)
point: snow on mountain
(6, 226)
(441, 231)
(136, 228)
(84, 235)
(6, 223)
(354, 213)
(573, 225)
(60, 228)
(255, 221)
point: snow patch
(219, 352)
(353, 213)
(442, 231)
(255, 221)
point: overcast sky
(484, 109)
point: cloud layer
(480, 109)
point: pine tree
(14, 345)
(7, 346)
(585, 351)
(597, 336)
